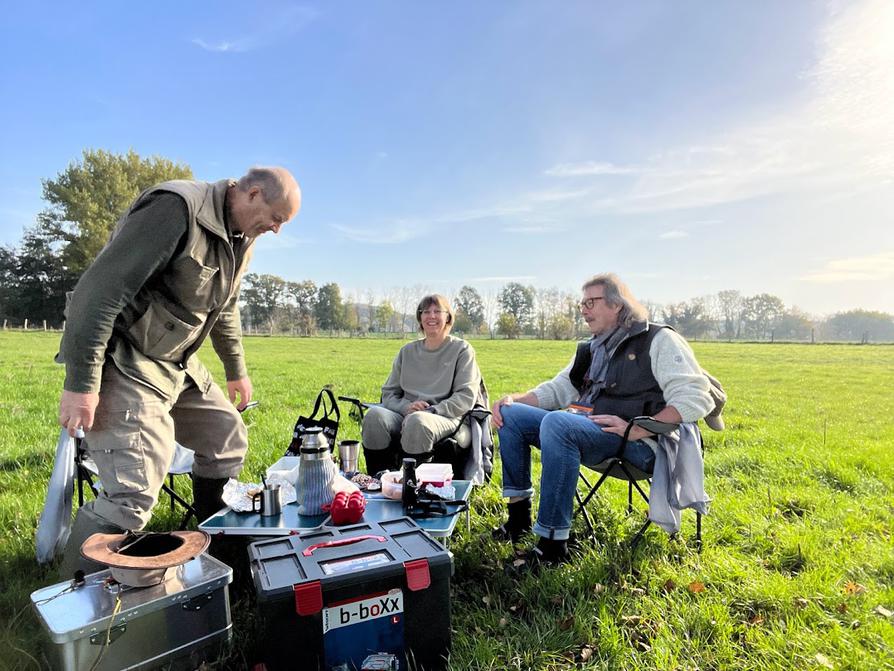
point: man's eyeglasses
(590, 303)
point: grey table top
(378, 509)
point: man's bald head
(263, 200)
(276, 184)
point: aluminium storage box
(176, 624)
(329, 598)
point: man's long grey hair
(617, 293)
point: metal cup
(349, 455)
(270, 500)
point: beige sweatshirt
(448, 378)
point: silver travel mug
(349, 456)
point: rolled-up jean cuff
(518, 493)
(552, 534)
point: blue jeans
(566, 441)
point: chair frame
(84, 473)
(620, 468)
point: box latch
(308, 598)
(418, 576)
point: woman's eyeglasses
(432, 312)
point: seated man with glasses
(434, 381)
(630, 367)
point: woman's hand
(417, 406)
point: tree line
(86, 199)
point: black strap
(327, 412)
(426, 508)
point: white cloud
(838, 138)
(556, 195)
(278, 242)
(396, 231)
(587, 169)
(275, 25)
(221, 47)
(533, 229)
(674, 235)
(393, 233)
(872, 268)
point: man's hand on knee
(496, 415)
(77, 410)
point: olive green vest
(157, 333)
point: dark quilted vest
(630, 388)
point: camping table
(378, 509)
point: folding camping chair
(471, 457)
(619, 468)
(181, 464)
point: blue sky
(689, 146)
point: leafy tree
(468, 301)
(328, 310)
(571, 310)
(371, 316)
(302, 297)
(507, 325)
(688, 318)
(33, 281)
(384, 316)
(730, 307)
(794, 324)
(8, 281)
(654, 310)
(760, 314)
(263, 296)
(518, 301)
(860, 325)
(88, 198)
(462, 323)
(350, 315)
(549, 304)
(561, 327)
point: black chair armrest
(479, 413)
(653, 425)
(650, 424)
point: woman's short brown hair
(441, 302)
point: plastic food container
(286, 469)
(392, 485)
(434, 474)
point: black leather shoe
(518, 524)
(546, 553)
(505, 533)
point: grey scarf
(601, 349)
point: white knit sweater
(675, 369)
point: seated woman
(433, 383)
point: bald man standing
(168, 278)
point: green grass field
(797, 571)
